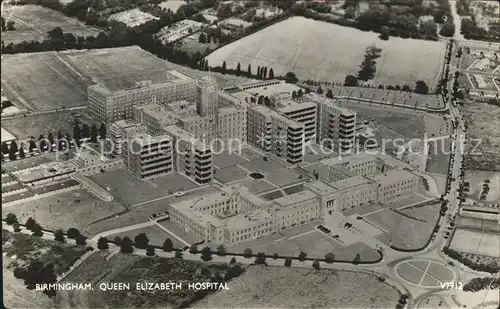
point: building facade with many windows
(148, 156)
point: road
(76, 108)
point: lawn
(34, 125)
(155, 235)
(272, 287)
(335, 53)
(27, 162)
(410, 228)
(61, 211)
(24, 249)
(133, 18)
(32, 22)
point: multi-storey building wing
(122, 130)
(148, 156)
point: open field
(24, 249)
(430, 274)
(144, 269)
(171, 5)
(477, 224)
(141, 213)
(36, 124)
(403, 61)
(410, 228)
(129, 190)
(43, 81)
(482, 120)
(32, 22)
(486, 299)
(18, 165)
(475, 242)
(62, 211)
(51, 80)
(270, 287)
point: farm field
(475, 242)
(53, 80)
(482, 120)
(32, 22)
(403, 61)
(410, 228)
(61, 210)
(284, 287)
(42, 81)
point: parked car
(179, 193)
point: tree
(193, 249)
(206, 254)
(271, 73)
(315, 265)
(329, 94)
(238, 69)
(302, 256)
(300, 93)
(202, 38)
(260, 258)
(356, 259)
(421, 87)
(5, 148)
(178, 254)
(168, 245)
(37, 230)
(17, 227)
(81, 240)
(73, 233)
(93, 134)
(448, 29)
(11, 25)
(77, 133)
(233, 260)
(126, 245)
(102, 131)
(141, 241)
(22, 155)
(249, 70)
(59, 235)
(384, 33)
(224, 67)
(20, 272)
(264, 73)
(247, 252)
(406, 88)
(85, 131)
(117, 240)
(221, 250)
(102, 243)
(290, 78)
(329, 258)
(30, 223)
(319, 90)
(11, 218)
(351, 81)
(288, 262)
(150, 251)
(13, 151)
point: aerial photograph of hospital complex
(250, 154)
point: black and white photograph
(250, 154)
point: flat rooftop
(320, 188)
(292, 106)
(351, 182)
(182, 134)
(159, 112)
(257, 216)
(393, 176)
(266, 111)
(293, 199)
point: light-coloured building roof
(393, 176)
(351, 182)
(257, 216)
(184, 135)
(288, 106)
(293, 199)
(320, 188)
(158, 112)
(144, 139)
(349, 159)
(393, 162)
(267, 112)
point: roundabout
(425, 273)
